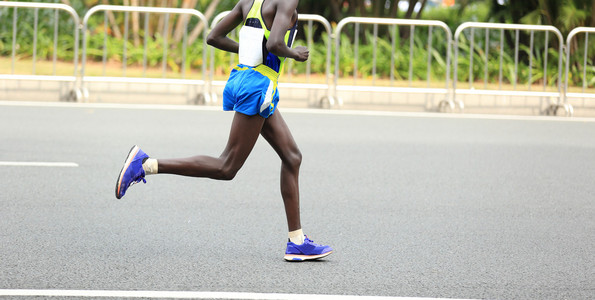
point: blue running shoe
(132, 171)
(306, 251)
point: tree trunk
(200, 26)
(405, 30)
(394, 9)
(151, 28)
(183, 20)
(352, 7)
(410, 9)
(135, 25)
(112, 23)
(161, 21)
(378, 7)
(546, 12)
(362, 9)
(421, 9)
(336, 14)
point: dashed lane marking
(38, 164)
(190, 295)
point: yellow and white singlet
(252, 85)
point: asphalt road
(414, 205)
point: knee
(294, 159)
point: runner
(268, 30)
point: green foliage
(388, 60)
(25, 39)
(478, 11)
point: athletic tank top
(253, 39)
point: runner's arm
(282, 21)
(218, 36)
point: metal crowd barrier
(583, 94)
(472, 26)
(492, 38)
(71, 90)
(191, 83)
(444, 103)
(327, 98)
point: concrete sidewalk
(290, 97)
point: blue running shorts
(251, 91)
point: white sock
(150, 166)
(296, 236)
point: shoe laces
(138, 180)
(306, 239)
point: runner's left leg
(243, 135)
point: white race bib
(250, 52)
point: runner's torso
(253, 37)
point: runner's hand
(302, 53)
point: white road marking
(305, 111)
(38, 164)
(190, 295)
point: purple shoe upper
(132, 172)
(307, 248)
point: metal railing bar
(185, 46)
(356, 53)
(35, 22)
(507, 93)
(104, 57)
(55, 52)
(165, 45)
(485, 62)
(145, 43)
(110, 79)
(428, 69)
(585, 61)
(387, 21)
(38, 77)
(125, 42)
(531, 59)
(545, 50)
(516, 58)
(356, 88)
(392, 53)
(214, 22)
(501, 59)
(374, 50)
(309, 45)
(14, 37)
(506, 26)
(471, 52)
(411, 33)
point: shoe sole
(129, 158)
(297, 257)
